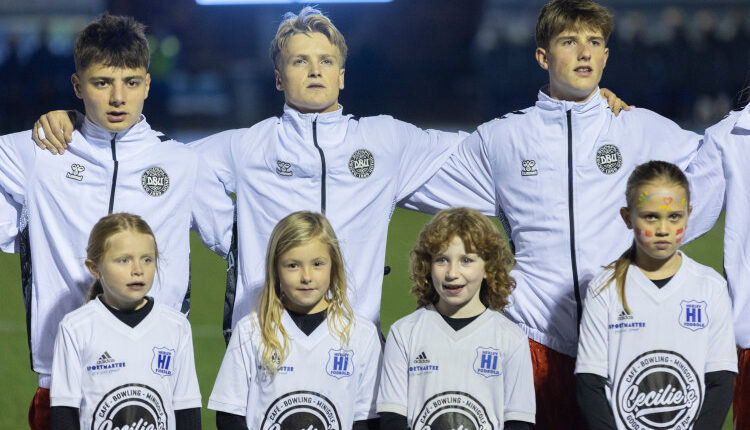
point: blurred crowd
(458, 64)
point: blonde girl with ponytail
(301, 359)
(656, 345)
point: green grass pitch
(208, 274)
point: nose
(314, 69)
(452, 272)
(661, 228)
(117, 95)
(305, 275)
(137, 268)
(584, 52)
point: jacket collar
(99, 136)
(547, 103)
(331, 126)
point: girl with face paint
(658, 348)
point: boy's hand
(54, 130)
(615, 104)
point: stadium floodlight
(241, 2)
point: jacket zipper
(114, 175)
(576, 286)
(323, 168)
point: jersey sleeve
(722, 352)
(394, 379)
(65, 388)
(232, 386)
(593, 339)
(707, 187)
(186, 393)
(464, 180)
(372, 358)
(518, 380)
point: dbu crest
(693, 315)
(163, 362)
(488, 362)
(340, 363)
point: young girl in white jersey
(302, 360)
(121, 360)
(656, 347)
(457, 362)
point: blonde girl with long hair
(656, 347)
(122, 360)
(457, 362)
(302, 359)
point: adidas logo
(624, 316)
(105, 359)
(422, 359)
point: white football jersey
(122, 377)
(655, 358)
(442, 379)
(320, 385)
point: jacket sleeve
(212, 212)
(464, 180)
(706, 174)
(422, 153)
(10, 217)
(17, 153)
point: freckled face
(658, 219)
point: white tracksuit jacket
(63, 196)
(353, 171)
(555, 175)
(721, 181)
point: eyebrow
(108, 79)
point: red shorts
(39, 410)
(555, 386)
(741, 404)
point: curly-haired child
(457, 361)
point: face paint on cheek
(679, 234)
(643, 236)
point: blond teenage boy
(555, 175)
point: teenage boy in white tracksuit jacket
(721, 181)
(115, 163)
(316, 158)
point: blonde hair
(561, 15)
(296, 230)
(99, 237)
(480, 236)
(309, 20)
(646, 173)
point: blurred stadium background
(437, 63)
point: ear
(606, 57)
(147, 83)
(341, 79)
(76, 81)
(91, 265)
(541, 58)
(279, 80)
(690, 210)
(625, 214)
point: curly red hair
(480, 236)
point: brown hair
(309, 20)
(561, 15)
(646, 173)
(480, 236)
(292, 231)
(114, 41)
(103, 230)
